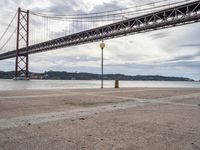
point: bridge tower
(21, 66)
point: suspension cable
(8, 27)
(8, 39)
(103, 14)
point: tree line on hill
(61, 75)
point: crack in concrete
(33, 96)
(72, 114)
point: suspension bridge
(36, 32)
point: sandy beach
(125, 118)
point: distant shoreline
(104, 80)
(61, 75)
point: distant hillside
(6, 75)
(55, 75)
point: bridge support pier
(21, 65)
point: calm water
(72, 84)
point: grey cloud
(113, 5)
(7, 65)
(190, 45)
(62, 8)
(190, 64)
(159, 35)
(65, 59)
(183, 58)
(190, 33)
(129, 65)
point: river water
(78, 84)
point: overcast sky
(168, 52)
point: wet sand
(126, 118)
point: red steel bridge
(35, 32)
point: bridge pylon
(21, 65)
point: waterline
(79, 84)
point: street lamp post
(102, 46)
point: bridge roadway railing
(176, 16)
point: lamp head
(102, 45)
